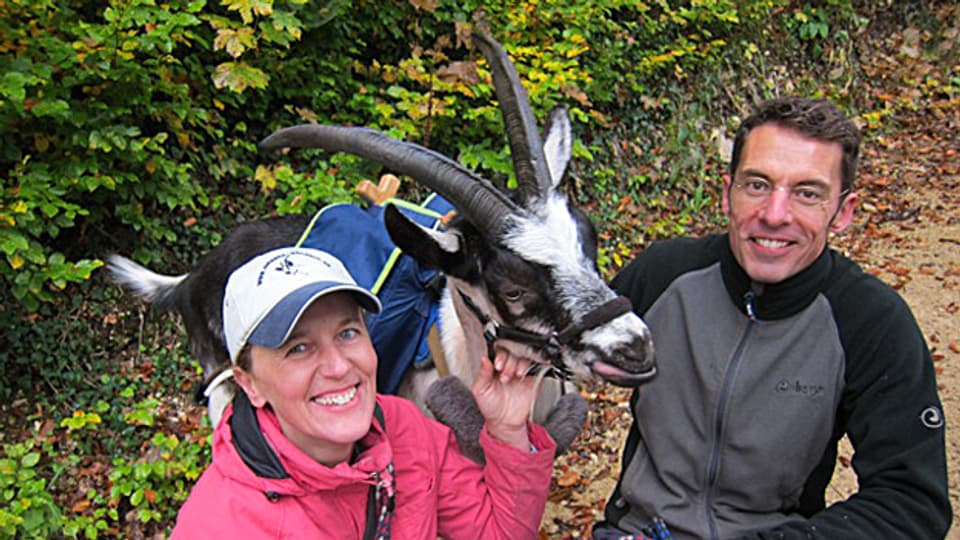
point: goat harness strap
(606, 312)
(550, 343)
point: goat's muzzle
(618, 376)
(631, 364)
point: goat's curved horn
(474, 197)
(529, 161)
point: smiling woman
(308, 448)
(320, 381)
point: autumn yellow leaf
(266, 178)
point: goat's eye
(513, 295)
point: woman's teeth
(338, 399)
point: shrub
(130, 126)
(141, 117)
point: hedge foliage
(123, 124)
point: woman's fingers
(509, 366)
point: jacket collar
(254, 437)
(249, 441)
(777, 300)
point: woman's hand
(504, 396)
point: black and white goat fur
(527, 260)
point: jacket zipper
(712, 471)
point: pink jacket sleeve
(505, 499)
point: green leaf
(249, 8)
(238, 76)
(284, 24)
(13, 84)
(30, 459)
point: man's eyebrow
(754, 173)
(818, 182)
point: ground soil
(907, 233)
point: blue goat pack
(409, 293)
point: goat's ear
(441, 250)
(558, 144)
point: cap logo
(287, 265)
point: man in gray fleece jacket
(771, 347)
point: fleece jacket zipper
(725, 389)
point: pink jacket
(439, 491)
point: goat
(520, 268)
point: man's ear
(249, 385)
(844, 215)
(725, 196)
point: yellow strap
(387, 267)
(306, 231)
(419, 208)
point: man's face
(321, 382)
(783, 200)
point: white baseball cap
(266, 296)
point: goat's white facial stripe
(551, 238)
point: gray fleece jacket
(737, 436)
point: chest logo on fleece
(797, 387)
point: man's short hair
(816, 118)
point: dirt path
(907, 233)
(920, 256)
(932, 288)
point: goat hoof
(453, 405)
(565, 420)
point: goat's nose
(630, 365)
(638, 355)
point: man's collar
(775, 300)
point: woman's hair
(244, 359)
